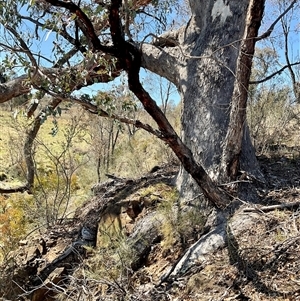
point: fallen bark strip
(272, 207)
(22, 188)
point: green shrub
(13, 221)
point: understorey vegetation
(149, 150)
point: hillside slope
(132, 241)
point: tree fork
(130, 57)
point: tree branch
(130, 58)
(25, 48)
(272, 207)
(255, 82)
(63, 33)
(95, 73)
(296, 89)
(22, 188)
(271, 28)
(93, 109)
(14, 88)
(30, 137)
(163, 62)
(85, 24)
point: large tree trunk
(212, 41)
(202, 61)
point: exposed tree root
(222, 231)
(59, 252)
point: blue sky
(271, 13)
(45, 45)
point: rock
(3, 176)
(23, 242)
(48, 291)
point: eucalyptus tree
(208, 59)
(57, 48)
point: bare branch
(271, 28)
(130, 57)
(255, 82)
(65, 58)
(272, 207)
(142, 11)
(85, 23)
(286, 51)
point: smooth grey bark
(222, 233)
(207, 83)
(200, 59)
(207, 54)
(162, 61)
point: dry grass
(70, 158)
(273, 122)
(261, 264)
